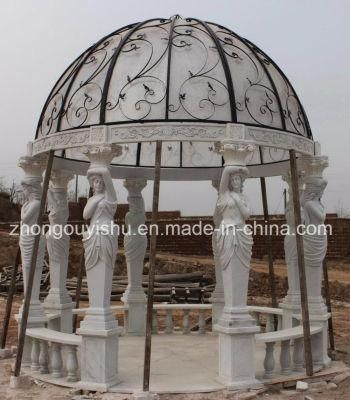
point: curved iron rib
(225, 66)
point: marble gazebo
(224, 112)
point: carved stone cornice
(173, 131)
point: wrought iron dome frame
(180, 80)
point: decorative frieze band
(173, 131)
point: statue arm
(90, 207)
(110, 191)
(225, 178)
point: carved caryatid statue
(315, 240)
(135, 244)
(29, 215)
(234, 241)
(57, 239)
(217, 297)
(292, 300)
(58, 249)
(100, 245)
(99, 329)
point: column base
(237, 357)
(136, 301)
(65, 321)
(99, 359)
(319, 342)
(236, 330)
(98, 319)
(317, 306)
(290, 308)
(218, 302)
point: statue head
(237, 179)
(96, 182)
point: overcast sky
(309, 40)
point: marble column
(236, 328)
(291, 303)
(58, 299)
(315, 237)
(217, 298)
(99, 329)
(315, 249)
(135, 245)
(33, 168)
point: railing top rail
(54, 336)
(285, 334)
(266, 310)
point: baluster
(154, 322)
(269, 361)
(56, 360)
(256, 316)
(169, 324)
(72, 364)
(285, 357)
(270, 323)
(279, 322)
(125, 318)
(44, 357)
(34, 355)
(201, 322)
(186, 322)
(298, 354)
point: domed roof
(178, 72)
(208, 73)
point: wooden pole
(269, 250)
(301, 265)
(329, 308)
(151, 273)
(9, 301)
(28, 289)
(78, 289)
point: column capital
(313, 166)
(33, 166)
(101, 155)
(288, 178)
(60, 178)
(134, 186)
(234, 153)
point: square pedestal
(98, 359)
(136, 318)
(237, 357)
